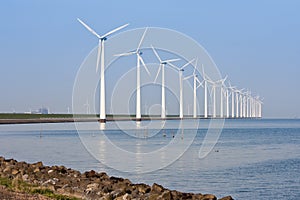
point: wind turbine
(205, 80)
(246, 114)
(87, 105)
(260, 102)
(251, 107)
(180, 71)
(258, 107)
(101, 40)
(232, 89)
(232, 100)
(237, 101)
(227, 102)
(213, 93)
(162, 64)
(140, 60)
(221, 97)
(195, 87)
(241, 102)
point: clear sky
(256, 43)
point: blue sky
(256, 43)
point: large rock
(157, 188)
(209, 197)
(227, 198)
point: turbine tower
(237, 95)
(241, 102)
(221, 96)
(232, 102)
(205, 80)
(102, 67)
(140, 61)
(162, 64)
(227, 102)
(87, 105)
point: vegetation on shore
(24, 187)
(32, 116)
(46, 116)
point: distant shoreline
(19, 118)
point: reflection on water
(253, 159)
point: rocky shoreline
(20, 180)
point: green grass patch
(21, 186)
(6, 182)
(49, 193)
(32, 116)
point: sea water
(252, 159)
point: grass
(49, 193)
(6, 182)
(21, 186)
(41, 116)
(32, 116)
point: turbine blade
(142, 39)
(173, 66)
(116, 29)
(203, 73)
(89, 28)
(98, 55)
(157, 73)
(195, 66)
(156, 54)
(198, 81)
(143, 63)
(187, 63)
(125, 54)
(171, 60)
(211, 92)
(188, 77)
(225, 78)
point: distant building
(40, 111)
(43, 110)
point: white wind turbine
(241, 102)
(248, 93)
(180, 71)
(195, 87)
(227, 101)
(162, 64)
(260, 102)
(258, 107)
(205, 80)
(255, 107)
(221, 95)
(101, 57)
(226, 94)
(251, 107)
(139, 61)
(213, 93)
(87, 105)
(232, 99)
(237, 103)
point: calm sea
(252, 159)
